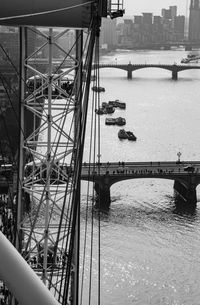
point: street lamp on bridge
(179, 156)
(116, 60)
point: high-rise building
(138, 19)
(147, 18)
(170, 14)
(173, 11)
(194, 21)
(179, 26)
(108, 34)
(166, 14)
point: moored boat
(110, 121)
(105, 110)
(190, 58)
(110, 109)
(115, 121)
(121, 105)
(98, 89)
(118, 104)
(131, 136)
(122, 134)
(100, 110)
(120, 121)
(104, 104)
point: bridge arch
(185, 187)
(107, 174)
(161, 177)
(110, 182)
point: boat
(122, 134)
(104, 105)
(105, 110)
(120, 121)
(115, 121)
(110, 109)
(121, 105)
(185, 60)
(100, 111)
(110, 121)
(98, 89)
(191, 55)
(131, 136)
(190, 58)
(117, 104)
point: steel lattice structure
(50, 158)
(50, 179)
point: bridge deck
(140, 168)
(116, 171)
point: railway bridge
(174, 68)
(186, 177)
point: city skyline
(133, 7)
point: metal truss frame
(50, 157)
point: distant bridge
(59, 63)
(133, 67)
(186, 176)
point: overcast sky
(133, 7)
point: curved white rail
(20, 279)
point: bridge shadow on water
(170, 211)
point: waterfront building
(108, 35)
(194, 21)
(147, 18)
(170, 13)
(127, 39)
(119, 34)
(157, 29)
(179, 28)
(138, 19)
(145, 30)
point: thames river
(149, 251)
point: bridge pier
(174, 75)
(187, 193)
(129, 71)
(103, 199)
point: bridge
(59, 63)
(186, 177)
(133, 67)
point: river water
(149, 251)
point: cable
(46, 12)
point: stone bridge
(174, 68)
(186, 177)
(133, 67)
